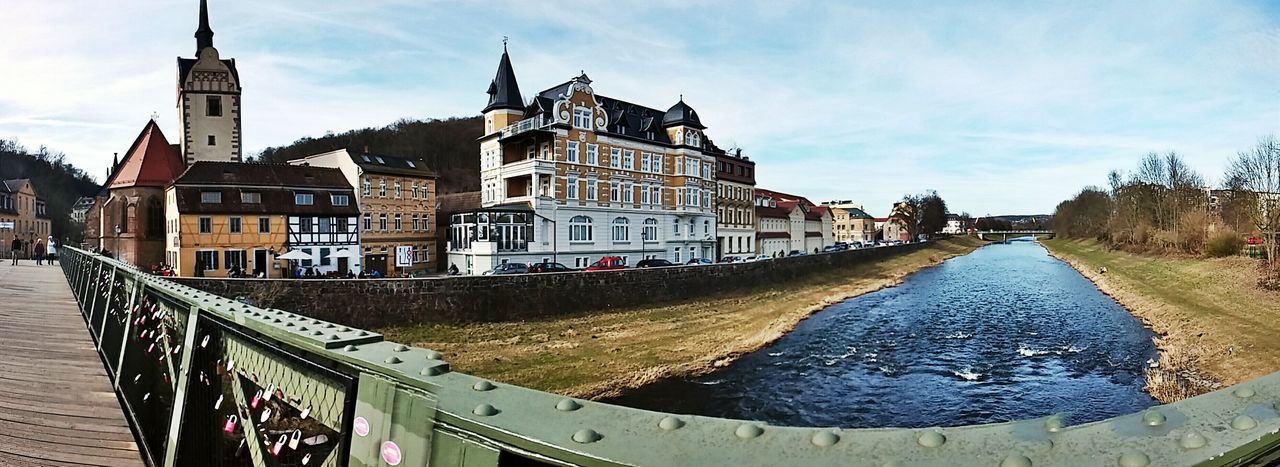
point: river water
(1004, 333)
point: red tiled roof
(150, 162)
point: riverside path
(57, 406)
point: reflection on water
(1004, 333)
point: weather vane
(154, 115)
(504, 42)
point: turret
(506, 105)
(683, 125)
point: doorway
(260, 263)
(376, 263)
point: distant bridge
(1007, 234)
(206, 380)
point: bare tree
(1257, 173)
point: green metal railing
(196, 373)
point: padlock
(230, 364)
(177, 349)
(218, 403)
(306, 458)
(266, 415)
(146, 396)
(275, 450)
(305, 412)
(253, 403)
(204, 342)
(271, 391)
(295, 439)
(230, 426)
(136, 378)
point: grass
(599, 355)
(1217, 326)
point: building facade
(397, 201)
(222, 216)
(735, 205)
(22, 214)
(128, 215)
(208, 101)
(808, 226)
(574, 176)
(850, 222)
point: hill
(59, 183)
(448, 146)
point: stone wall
(375, 303)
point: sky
(1002, 107)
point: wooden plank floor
(56, 402)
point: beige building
(850, 222)
(735, 205)
(22, 213)
(208, 101)
(397, 200)
(787, 223)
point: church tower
(208, 101)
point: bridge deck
(56, 402)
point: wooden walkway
(56, 403)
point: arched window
(621, 230)
(580, 229)
(155, 218)
(650, 230)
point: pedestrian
(16, 247)
(38, 252)
(51, 251)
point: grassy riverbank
(598, 355)
(1218, 327)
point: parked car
(700, 262)
(842, 245)
(654, 263)
(608, 263)
(830, 248)
(757, 258)
(509, 268)
(795, 253)
(548, 267)
(733, 259)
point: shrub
(1223, 243)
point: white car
(733, 259)
(757, 258)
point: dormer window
(582, 118)
(691, 138)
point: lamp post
(31, 243)
(116, 247)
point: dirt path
(601, 355)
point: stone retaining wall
(375, 303)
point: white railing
(525, 125)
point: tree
(1257, 174)
(928, 212)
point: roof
(625, 119)
(682, 114)
(274, 200)
(856, 213)
(277, 184)
(12, 186)
(204, 33)
(150, 162)
(816, 212)
(454, 203)
(186, 64)
(504, 92)
(85, 202)
(778, 212)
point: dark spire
(204, 34)
(504, 93)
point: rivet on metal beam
(1152, 418)
(825, 438)
(568, 405)
(485, 410)
(1016, 460)
(334, 337)
(483, 386)
(350, 348)
(587, 435)
(433, 355)
(393, 360)
(1243, 393)
(1055, 424)
(1192, 440)
(434, 370)
(1134, 459)
(748, 430)
(670, 423)
(401, 348)
(1244, 423)
(931, 439)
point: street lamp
(116, 253)
(644, 243)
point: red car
(607, 263)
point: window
(306, 262)
(382, 222)
(572, 151)
(340, 224)
(614, 192)
(706, 171)
(207, 260)
(206, 225)
(657, 163)
(706, 199)
(325, 260)
(264, 225)
(680, 197)
(591, 155)
(368, 187)
(413, 192)
(571, 187)
(210, 196)
(628, 193)
(303, 199)
(621, 230)
(250, 197)
(213, 140)
(368, 222)
(691, 223)
(629, 159)
(304, 225)
(644, 162)
(657, 194)
(213, 106)
(615, 158)
(382, 187)
(397, 188)
(591, 189)
(339, 200)
(580, 229)
(399, 226)
(326, 225)
(650, 231)
(582, 118)
(426, 225)
(416, 223)
(644, 195)
(233, 225)
(677, 255)
(675, 227)
(235, 259)
(706, 227)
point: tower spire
(204, 34)
(504, 92)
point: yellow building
(851, 223)
(222, 215)
(22, 213)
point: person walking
(51, 251)
(38, 252)
(16, 247)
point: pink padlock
(230, 426)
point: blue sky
(1003, 107)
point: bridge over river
(205, 380)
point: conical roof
(504, 92)
(150, 162)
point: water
(1004, 333)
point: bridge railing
(206, 380)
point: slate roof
(625, 118)
(392, 165)
(150, 162)
(856, 213)
(12, 186)
(277, 184)
(682, 114)
(504, 91)
(454, 203)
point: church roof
(504, 92)
(150, 162)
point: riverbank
(1217, 327)
(599, 355)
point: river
(1004, 333)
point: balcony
(524, 126)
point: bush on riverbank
(1223, 244)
